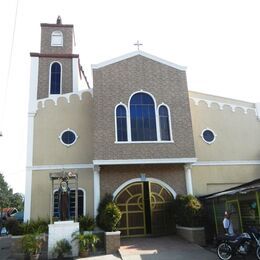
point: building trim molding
(145, 161)
(54, 55)
(55, 98)
(222, 104)
(59, 167)
(136, 53)
(162, 183)
(226, 163)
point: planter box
(112, 242)
(192, 234)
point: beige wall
(41, 190)
(111, 177)
(210, 179)
(51, 120)
(238, 134)
(115, 83)
(238, 139)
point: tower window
(57, 38)
(55, 78)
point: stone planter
(112, 242)
(192, 234)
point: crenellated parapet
(65, 98)
(234, 107)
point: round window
(208, 136)
(68, 137)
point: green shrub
(188, 211)
(32, 244)
(39, 226)
(86, 223)
(87, 241)
(110, 217)
(13, 226)
(61, 248)
(107, 198)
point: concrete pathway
(102, 257)
(163, 248)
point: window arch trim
(115, 116)
(128, 120)
(50, 78)
(169, 121)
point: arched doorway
(147, 209)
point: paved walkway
(163, 248)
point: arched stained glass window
(164, 123)
(55, 79)
(121, 123)
(143, 120)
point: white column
(257, 107)
(188, 179)
(75, 73)
(96, 188)
(31, 113)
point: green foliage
(32, 244)
(40, 226)
(107, 198)
(61, 248)
(35, 226)
(189, 211)
(8, 198)
(87, 241)
(86, 223)
(14, 227)
(110, 217)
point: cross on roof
(138, 44)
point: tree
(7, 197)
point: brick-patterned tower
(58, 66)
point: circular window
(208, 136)
(68, 137)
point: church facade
(139, 135)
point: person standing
(227, 223)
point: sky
(218, 41)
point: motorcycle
(239, 245)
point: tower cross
(138, 44)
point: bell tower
(57, 65)
(54, 72)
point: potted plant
(32, 244)
(189, 219)
(87, 242)
(62, 248)
(108, 219)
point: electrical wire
(9, 66)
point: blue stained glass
(143, 123)
(55, 78)
(68, 137)
(121, 123)
(208, 135)
(164, 123)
